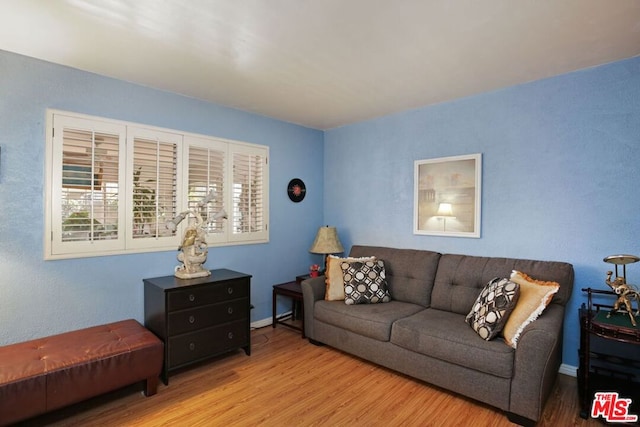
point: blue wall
(38, 297)
(561, 181)
(561, 174)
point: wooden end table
(292, 290)
(603, 365)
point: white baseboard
(261, 323)
(572, 371)
(266, 322)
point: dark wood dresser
(198, 318)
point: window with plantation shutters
(86, 186)
(206, 180)
(248, 215)
(153, 170)
(112, 186)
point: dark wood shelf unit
(609, 353)
(200, 318)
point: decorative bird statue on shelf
(193, 248)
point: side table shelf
(609, 354)
(292, 290)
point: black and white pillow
(491, 310)
(365, 282)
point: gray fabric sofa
(422, 332)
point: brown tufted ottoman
(48, 373)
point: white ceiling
(324, 63)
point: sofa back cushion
(410, 273)
(460, 278)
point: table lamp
(326, 243)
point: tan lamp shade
(444, 209)
(326, 242)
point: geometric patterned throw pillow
(365, 282)
(491, 310)
(334, 284)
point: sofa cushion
(460, 278)
(364, 282)
(371, 320)
(445, 335)
(334, 290)
(492, 308)
(410, 273)
(535, 295)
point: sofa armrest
(313, 289)
(537, 359)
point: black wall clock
(296, 190)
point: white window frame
(55, 248)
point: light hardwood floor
(289, 382)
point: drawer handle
(192, 346)
(230, 310)
(230, 335)
(229, 290)
(192, 297)
(192, 319)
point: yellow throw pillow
(535, 296)
(334, 289)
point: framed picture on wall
(447, 196)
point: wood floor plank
(289, 382)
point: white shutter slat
(86, 215)
(154, 168)
(206, 173)
(249, 219)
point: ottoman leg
(151, 386)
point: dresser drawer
(193, 319)
(207, 342)
(200, 295)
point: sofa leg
(520, 420)
(314, 342)
(151, 386)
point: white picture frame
(447, 196)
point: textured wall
(561, 174)
(560, 182)
(38, 297)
